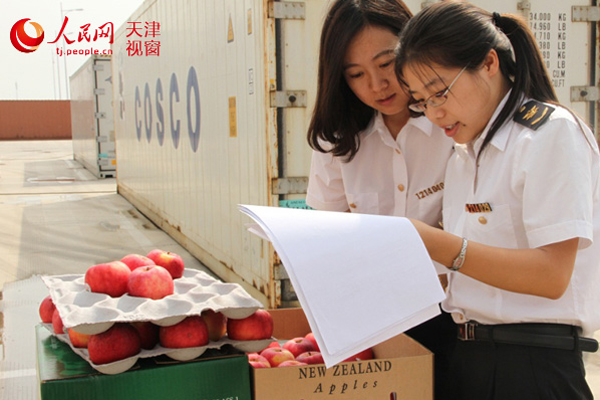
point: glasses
(436, 99)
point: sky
(40, 75)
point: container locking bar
(585, 93)
(289, 98)
(585, 13)
(524, 6)
(290, 185)
(287, 10)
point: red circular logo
(22, 41)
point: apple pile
(149, 276)
(125, 340)
(296, 351)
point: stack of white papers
(360, 279)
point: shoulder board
(533, 114)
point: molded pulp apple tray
(92, 313)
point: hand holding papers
(361, 279)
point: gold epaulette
(533, 114)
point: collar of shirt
(378, 125)
(499, 140)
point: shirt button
(401, 188)
(352, 205)
(482, 220)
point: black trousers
(438, 335)
(492, 371)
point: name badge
(478, 208)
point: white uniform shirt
(402, 177)
(543, 187)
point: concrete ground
(57, 218)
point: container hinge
(290, 185)
(289, 98)
(287, 10)
(98, 67)
(100, 115)
(585, 93)
(585, 13)
(99, 91)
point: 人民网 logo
(21, 40)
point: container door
(297, 27)
(104, 117)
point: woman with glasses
(521, 205)
(370, 155)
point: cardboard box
(402, 369)
(63, 375)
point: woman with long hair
(370, 154)
(521, 210)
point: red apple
(109, 278)
(258, 326)
(274, 344)
(311, 357)
(366, 354)
(216, 323)
(150, 281)
(258, 361)
(170, 261)
(47, 308)
(134, 261)
(310, 336)
(291, 363)
(148, 333)
(57, 323)
(277, 355)
(117, 343)
(299, 345)
(191, 332)
(77, 339)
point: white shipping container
(212, 103)
(92, 123)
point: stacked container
(92, 116)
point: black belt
(555, 336)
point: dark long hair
(339, 116)
(459, 34)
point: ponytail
(459, 34)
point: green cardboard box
(218, 375)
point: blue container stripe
(294, 204)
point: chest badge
(478, 208)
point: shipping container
(92, 122)
(212, 103)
